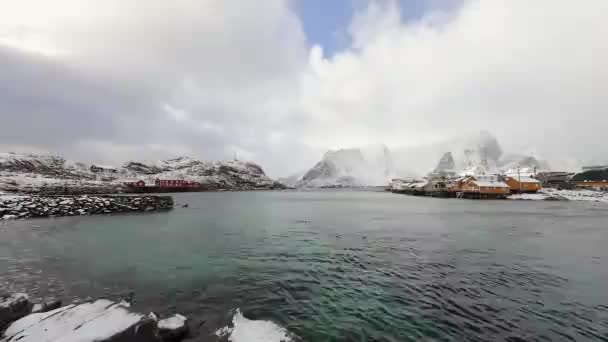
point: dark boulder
(13, 307)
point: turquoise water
(336, 265)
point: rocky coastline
(100, 320)
(33, 206)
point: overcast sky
(281, 81)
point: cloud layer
(124, 79)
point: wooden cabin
(521, 184)
(481, 187)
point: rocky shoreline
(27, 206)
(101, 320)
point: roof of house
(489, 181)
(523, 179)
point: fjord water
(336, 265)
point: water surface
(336, 265)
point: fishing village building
(519, 184)
(481, 187)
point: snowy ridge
(248, 330)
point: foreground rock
(14, 207)
(100, 321)
(173, 328)
(13, 307)
(46, 306)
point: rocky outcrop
(13, 307)
(101, 320)
(173, 328)
(141, 168)
(45, 206)
(46, 306)
(44, 165)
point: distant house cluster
(501, 186)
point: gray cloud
(116, 80)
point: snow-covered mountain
(33, 173)
(445, 167)
(352, 167)
(482, 155)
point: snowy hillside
(353, 167)
(46, 165)
(53, 174)
(214, 175)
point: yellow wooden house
(521, 184)
(480, 187)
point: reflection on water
(336, 265)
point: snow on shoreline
(564, 195)
(248, 330)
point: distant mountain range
(28, 172)
(376, 165)
(373, 165)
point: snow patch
(172, 323)
(248, 330)
(566, 195)
(531, 197)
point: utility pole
(519, 178)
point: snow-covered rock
(46, 306)
(13, 307)
(100, 321)
(353, 167)
(173, 328)
(243, 329)
(45, 206)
